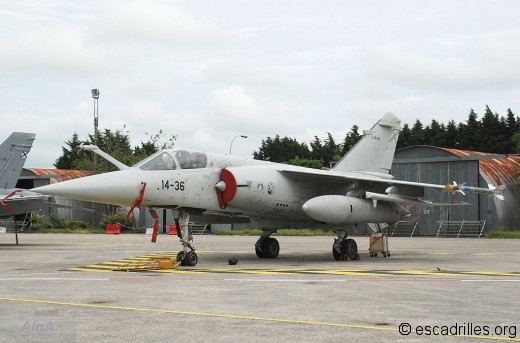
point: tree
(451, 135)
(281, 149)
(350, 139)
(417, 134)
(115, 143)
(331, 151)
(155, 143)
(309, 163)
(516, 141)
(434, 134)
(69, 156)
(490, 135)
(470, 133)
(404, 137)
(316, 148)
(513, 125)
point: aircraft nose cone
(117, 188)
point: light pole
(95, 97)
(231, 145)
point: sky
(207, 71)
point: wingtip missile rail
(463, 189)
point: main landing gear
(187, 256)
(267, 247)
(344, 249)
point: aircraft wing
(397, 191)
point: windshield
(163, 161)
(191, 159)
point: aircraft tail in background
(374, 152)
(13, 153)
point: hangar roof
(504, 170)
(55, 175)
(501, 169)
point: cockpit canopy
(171, 160)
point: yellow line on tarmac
(31, 274)
(99, 266)
(419, 272)
(230, 316)
(202, 314)
(89, 270)
(491, 273)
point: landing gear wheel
(337, 256)
(259, 253)
(191, 259)
(271, 248)
(348, 251)
(351, 249)
(181, 257)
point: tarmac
(63, 288)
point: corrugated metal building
(441, 166)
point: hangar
(442, 165)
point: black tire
(350, 248)
(191, 259)
(259, 253)
(180, 257)
(342, 255)
(271, 248)
(336, 255)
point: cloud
(445, 67)
(208, 71)
(48, 50)
(148, 22)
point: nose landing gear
(186, 257)
(344, 249)
(267, 247)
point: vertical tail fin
(13, 153)
(375, 151)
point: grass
(503, 234)
(69, 230)
(281, 232)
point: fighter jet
(13, 153)
(220, 188)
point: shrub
(48, 222)
(118, 217)
(77, 224)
